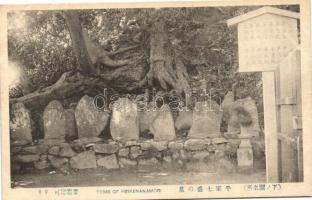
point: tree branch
(123, 50)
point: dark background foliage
(40, 46)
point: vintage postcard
(171, 100)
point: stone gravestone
(228, 101)
(90, 120)
(206, 120)
(124, 124)
(163, 125)
(71, 128)
(249, 105)
(146, 118)
(54, 121)
(184, 120)
(20, 123)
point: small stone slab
(40, 165)
(20, 124)
(66, 150)
(159, 145)
(42, 148)
(54, 121)
(27, 158)
(130, 143)
(220, 140)
(55, 150)
(176, 145)
(30, 150)
(108, 162)
(195, 144)
(124, 152)
(145, 145)
(43, 157)
(57, 162)
(135, 151)
(106, 148)
(84, 160)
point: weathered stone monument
(54, 121)
(20, 123)
(90, 120)
(227, 103)
(184, 120)
(124, 124)
(248, 105)
(146, 118)
(163, 126)
(71, 128)
(206, 120)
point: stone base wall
(207, 155)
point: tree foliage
(199, 40)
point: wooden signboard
(265, 37)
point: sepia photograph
(203, 98)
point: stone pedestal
(244, 152)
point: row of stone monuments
(126, 122)
(85, 123)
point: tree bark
(165, 65)
(78, 41)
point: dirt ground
(98, 177)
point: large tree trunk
(78, 41)
(88, 52)
(124, 75)
(166, 67)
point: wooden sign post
(265, 38)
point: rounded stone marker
(54, 121)
(20, 124)
(90, 120)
